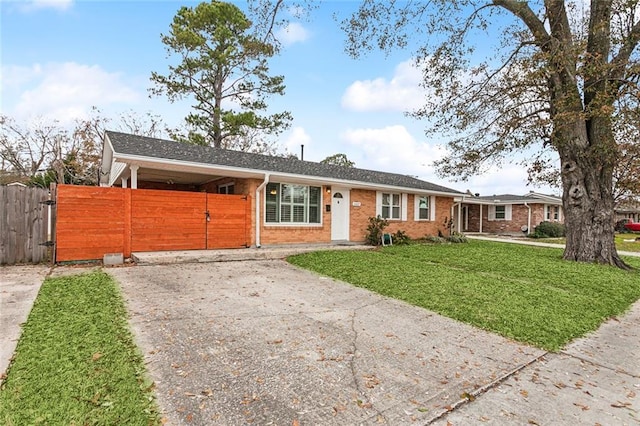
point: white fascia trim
(499, 202)
(107, 157)
(148, 162)
(144, 161)
(550, 199)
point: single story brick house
(628, 209)
(506, 213)
(291, 201)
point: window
(227, 188)
(552, 213)
(499, 212)
(390, 206)
(423, 208)
(287, 203)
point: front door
(340, 214)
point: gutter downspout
(457, 222)
(528, 218)
(258, 217)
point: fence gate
(228, 220)
(25, 227)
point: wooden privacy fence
(24, 225)
(94, 221)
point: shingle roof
(504, 197)
(516, 198)
(127, 144)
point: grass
(621, 244)
(522, 292)
(76, 362)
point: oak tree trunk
(588, 199)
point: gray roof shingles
(128, 144)
(511, 197)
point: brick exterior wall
(359, 216)
(519, 218)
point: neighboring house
(628, 209)
(292, 201)
(506, 213)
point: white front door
(340, 214)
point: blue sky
(61, 57)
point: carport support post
(258, 219)
(134, 176)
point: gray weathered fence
(23, 225)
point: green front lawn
(76, 362)
(621, 244)
(522, 292)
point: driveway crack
(363, 399)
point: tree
(223, 66)
(42, 152)
(26, 151)
(549, 89)
(626, 175)
(338, 160)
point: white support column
(124, 182)
(134, 176)
(480, 218)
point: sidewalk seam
(483, 389)
(598, 364)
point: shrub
(375, 230)
(549, 230)
(401, 238)
(457, 237)
(434, 239)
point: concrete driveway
(19, 286)
(263, 342)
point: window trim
(491, 212)
(278, 204)
(402, 199)
(548, 210)
(431, 208)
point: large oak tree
(223, 66)
(549, 89)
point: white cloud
(507, 179)
(62, 91)
(292, 33)
(297, 136)
(32, 5)
(394, 149)
(401, 93)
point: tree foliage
(42, 152)
(338, 160)
(549, 89)
(222, 65)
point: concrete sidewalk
(19, 286)
(594, 380)
(529, 242)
